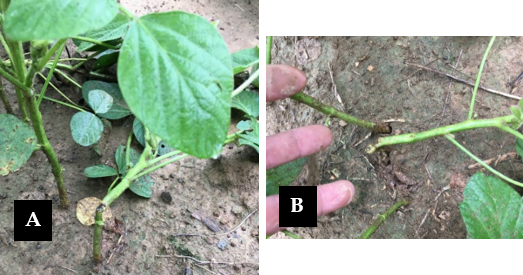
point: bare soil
(392, 90)
(224, 190)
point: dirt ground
(225, 189)
(393, 90)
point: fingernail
(347, 187)
(295, 80)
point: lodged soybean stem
(331, 111)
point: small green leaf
(257, 80)
(516, 112)
(17, 142)
(519, 147)
(251, 138)
(139, 131)
(491, 209)
(100, 101)
(119, 108)
(100, 171)
(244, 125)
(520, 105)
(283, 175)
(55, 19)
(244, 59)
(248, 102)
(86, 128)
(114, 30)
(164, 148)
(106, 59)
(134, 157)
(142, 186)
(175, 74)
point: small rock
(222, 243)
(370, 68)
(236, 209)
(216, 213)
(3, 195)
(166, 197)
(180, 180)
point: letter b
(297, 202)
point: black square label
(33, 220)
(298, 206)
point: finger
(296, 143)
(283, 81)
(334, 196)
(331, 197)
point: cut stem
(381, 218)
(331, 111)
(97, 238)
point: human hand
(283, 81)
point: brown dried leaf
(86, 209)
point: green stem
(63, 103)
(160, 158)
(331, 111)
(68, 78)
(114, 181)
(97, 238)
(381, 218)
(128, 150)
(149, 170)
(127, 13)
(473, 100)
(20, 71)
(290, 234)
(246, 83)
(60, 92)
(58, 45)
(131, 173)
(7, 106)
(478, 160)
(12, 79)
(97, 42)
(268, 50)
(498, 122)
(6, 47)
(49, 75)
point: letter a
(33, 219)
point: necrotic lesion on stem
(381, 219)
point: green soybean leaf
(516, 112)
(119, 109)
(283, 175)
(86, 128)
(175, 74)
(17, 142)
(251, 138)
(100, 101)
(100, 171)
(519, 147)
(134, 157)
(55, 19)
(257, 80)
(491, 209)
(248, 102)
(106, 59)
(244, 125)
(142, 186)
(164, 148)
(244, 59)
(139, 131)
(114, 30)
